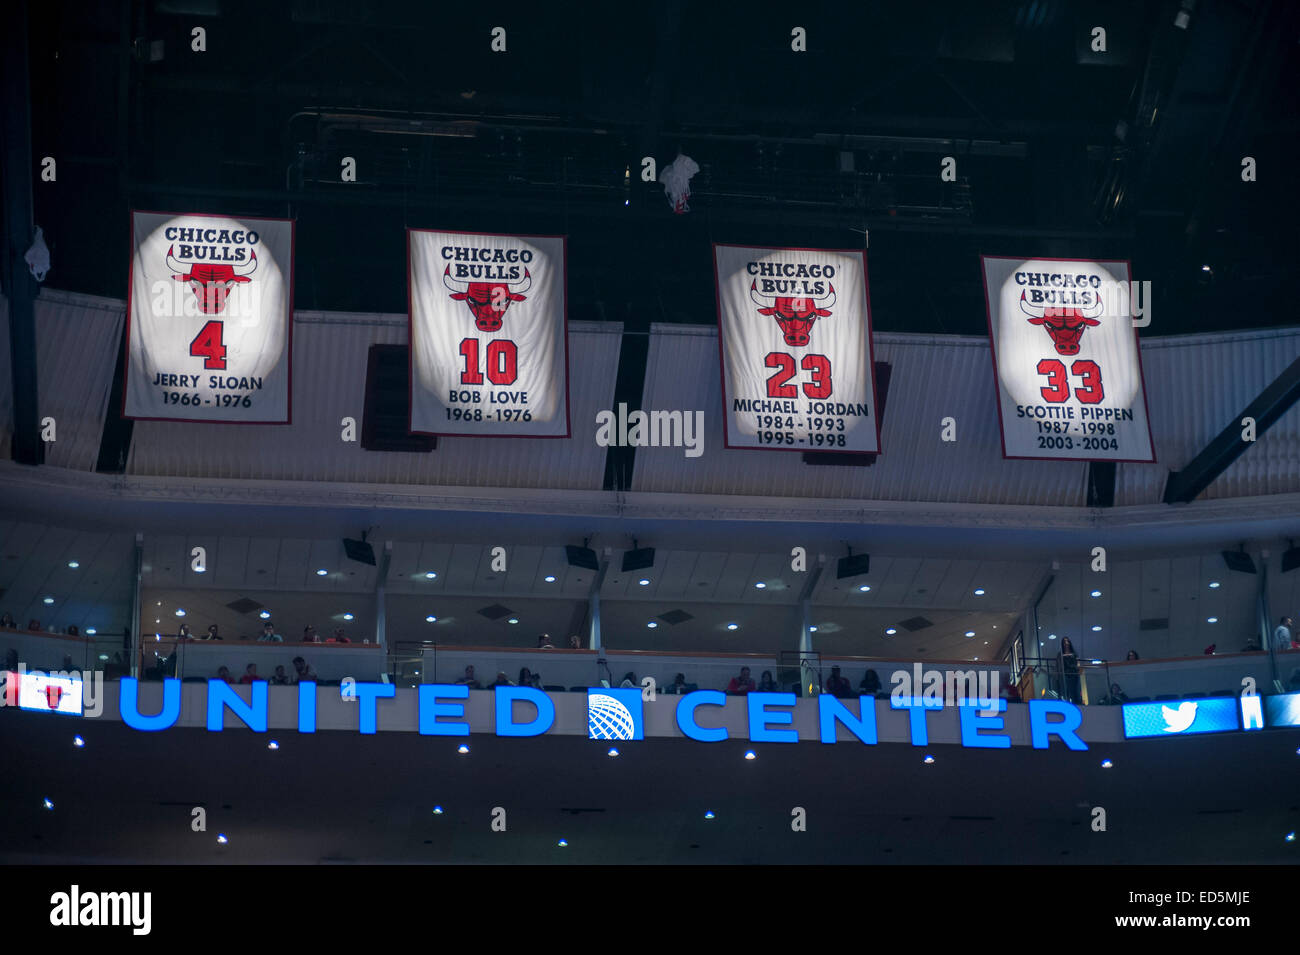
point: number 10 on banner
(502, 362)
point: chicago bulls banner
(794, 327)
(1066, 360)
(209, 315)
(489, 338)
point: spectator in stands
(11, 659)
(212, 633)
(302, 672)
(309, 634)
(1282, 636)
(223, 673)
(766, 684)
(544, 642)
(502, 679)
(34, 625)
(1117, 696)
(678, 685)
(279, 677)
(837, 685)
(1070, 670)
(469, 680)
(338, 637)
(250, 674)
(740, 685)
(184, 632)
(1131, 655)
(7, 621)
(870, 684)
(269, 635)
(1252, 646)
(73, 631)
(525, 677)
(575, 642)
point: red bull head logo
(211, 283)
(1065, 325)
(53, 694)
(794, 315)
(488, 300)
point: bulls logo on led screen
(1066, 360)
(614, 714)
(795, 328)
(489, 354)
(208, 319)
(44, 692)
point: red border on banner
(410, 337)
(871, 349)
(130, 287)
(997, 382)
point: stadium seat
(553, 689)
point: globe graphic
(607, 718)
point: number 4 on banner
(208, 345)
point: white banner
(489, 334)
(797, 368)
(1066, 359)
(208, 319)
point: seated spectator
(223, 673)
(837, 685)
(575, 643)
(502, 679)
(766, 684)
(279, 677)
(537, 681)
(525, 677)
(678, 685)
(338, 637)
(7, 621)
(1116, 697)
(212, 633)
(469, 680)
(269, 635)
(870, 684)
(34, 624)
(250, 674)
(73, 631)
(629, 681)
(1132, 655)
(184, 632)
(302, 672)
(544, 642)
(309, 634)
(740, 685)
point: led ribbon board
(209, 319)
(1181, 717)
(794, 327)
(489, 334)
(1066, 360)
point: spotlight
(970, 633)
(513, 620)
(760, 586)
(864, 588)
(1214, 585)
(733, 626)
(652, 625)
(891, 631)
(78, 742)
(221, 839)
(437, 810)
(48, 804)
(1096, 629)
(979, 592)
(1106, 764)
(644, 582)
(709, 814)
(812, 629)
(928, 759)
(91, 631)
(73, 564)
(431, 619)
(1211, 619)
(562, 843)
(750, 754)
(180, 612)
(265, 615)
(1095, 593)
(347, 616)
(273, 745)
(612, 752)
(462, 749)
(49, 600)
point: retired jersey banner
(209, 319)
(1066, 360)
(489, 334)
(795, 333)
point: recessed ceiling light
(91, 631)
(265, 615)
(347, 616)
(864, 588)
(644, 582)
(612, 752)
(979, 592)
(430, 575)
(733, 626)
(272, 745)
(49, 600)
(73, 564)
(1211, 619)
(1214, 585)
(513, 620)
(431, 619)
(812, 629)
(322, 572)
(550, 579)
(1106, 764)
(180, 612)
(462, 749)
(749, 754)
(986, 643)
(48, 804)
(709, 814)
(562, 843)
(78, 741)
(891, 631)
(1096, 629)
(652, 625)
(928, 759)
(221, 839)
(970, 633)
(760, 586)
(1095, 593)
(1050, 636)
(437, 810)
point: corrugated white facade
(76, 354)
(330, 351)
(932, 378)
(1196, 386)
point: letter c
(686, 715)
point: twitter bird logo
(1179, 719)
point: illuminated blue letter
(1040, 729)
(830, 711)
(307, 707)
(367, 694)
(686, 715)
(129, 707)
(431, 709)
(506, 696)
(972, 722)
(221, 694)
(916, 707)
(759, 718)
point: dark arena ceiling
(1060, 150)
